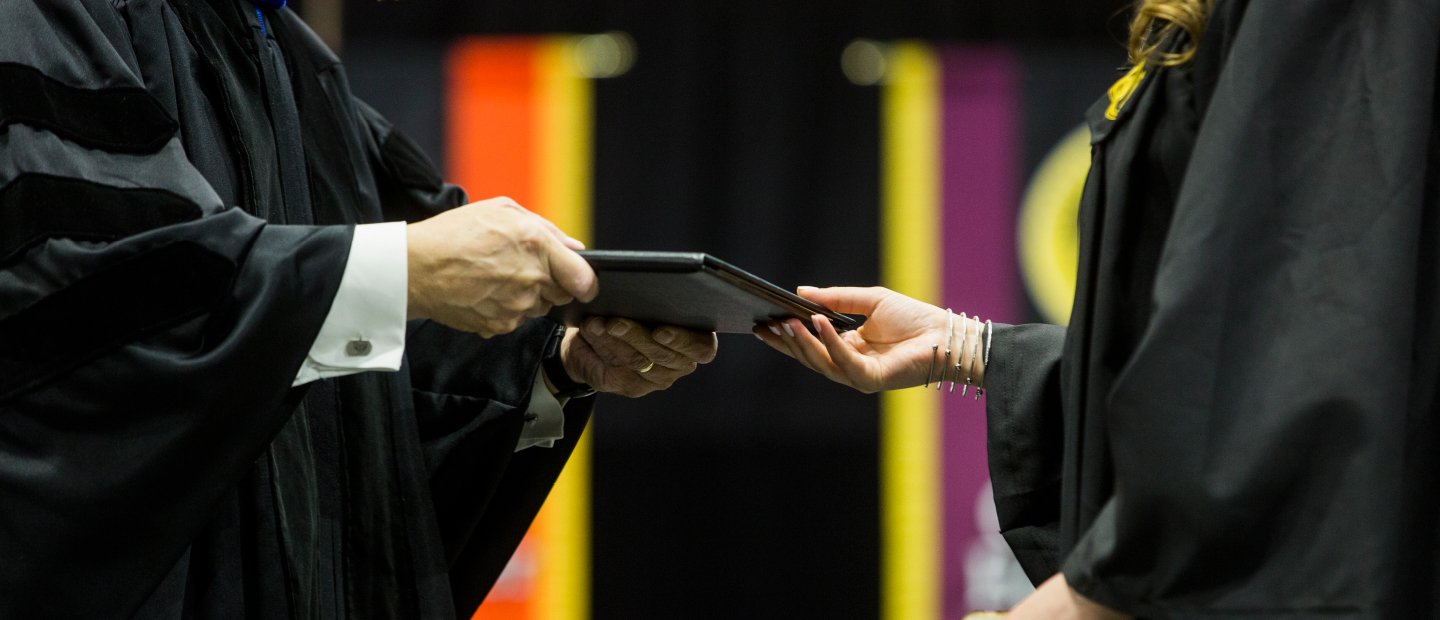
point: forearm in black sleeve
(1023, 438)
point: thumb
(846, 299)
(571, 272)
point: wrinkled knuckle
(514, 305)
(530, 240)
(529, 299)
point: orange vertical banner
(490, 118)
(518, 124)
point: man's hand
(624, 357)
(489, 265)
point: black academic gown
(177, 183)
(1241, 419)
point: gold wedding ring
(647, 368)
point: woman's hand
(891, 350)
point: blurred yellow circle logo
(1049, 239)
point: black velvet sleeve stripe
(102, 311)
(118, 119)
(36, 207)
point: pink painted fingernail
(774, 330)
(788, 331)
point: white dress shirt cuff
(545, 419)
(365, 329)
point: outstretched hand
(890, 351)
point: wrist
(556, 377)
(959, 352)
(415, 307)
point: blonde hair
(1156, 21)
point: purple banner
(981, 184)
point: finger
(665, 377)
(810, 349)
(772, 340)
(614, 351)
(849, 361)
(694, 345)
(785, 336)
(583, 363)
(847, 299)
(571, 272)
(641, 339)
(631, 384)
(555, 295)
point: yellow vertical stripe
(910, 257)
(564, 161)
(565, 134)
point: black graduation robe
(178, 181)
(1241, 418)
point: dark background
(751, 489)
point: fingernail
(619, 328)
(774, 330)
(788, 331)
(597, 327)
(804, 289)
(757, 337)
(815, 320)
(664, 336)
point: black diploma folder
(689, 289)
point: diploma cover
(689, 289)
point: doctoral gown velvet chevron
(178, 181)
(1243, 418)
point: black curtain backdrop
(750, 490)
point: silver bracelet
(931, 372)
(985, 361)
(975, 355)
(949, 340)
(965, 389)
